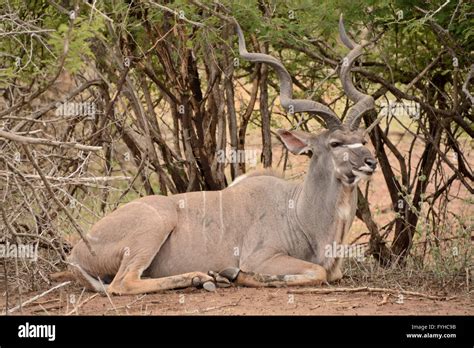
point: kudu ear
(298, 142)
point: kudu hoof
(196, 281)
(220, 281)
(209, 286)
(230, 273)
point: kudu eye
(335, 144)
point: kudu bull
(261, 231)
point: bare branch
(56, 200)
(41, 141)
(467, 82)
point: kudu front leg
(280, 271)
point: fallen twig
(368, 289)
(108, 296)
(46, 309)
(43, 303)
(219, 307)
(82, 303)
(128, 305)
(11, 310)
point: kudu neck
(320, 194)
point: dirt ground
(243, 301)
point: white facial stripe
(335, 167)
(353, 146)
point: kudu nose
(371, 162)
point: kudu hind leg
(132, 284)
(137, 257)
(335, 273)
(283, 270)
(139, 250)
